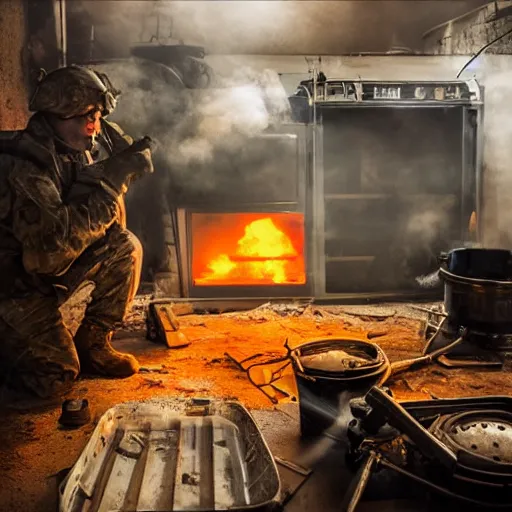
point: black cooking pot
(320, 389)
(478, 289)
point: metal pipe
(59, 11)
(433, 336)
(359, 483)
(399, 366)
(92, 40)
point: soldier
(62, 223)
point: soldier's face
(80, 131)
(92, 123)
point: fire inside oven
(248, 249)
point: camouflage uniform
(61, 224)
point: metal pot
(320, 391)
(478, 289)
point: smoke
(271, 27)
(310, 27)
(211, 142)
(335, 434)
(211, 138)
(429, 281)
(204, 135)
(497, 172)
(222, 119)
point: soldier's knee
(124, 243)
(134, 245)
(125, 256)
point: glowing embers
(240, 249)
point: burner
(482, 441)
(477, 348)
(458, 448)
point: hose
(479, 52)
(432, 337)
(399, 366)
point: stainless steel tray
(173, 455)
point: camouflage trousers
(37, 353)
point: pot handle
(444, 258)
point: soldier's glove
(132, 163)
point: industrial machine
(396, 175)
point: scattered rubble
(201, 369)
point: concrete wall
(492, 71)
(466, 34)
(13, 97)
(495, 74)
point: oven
(252, 236)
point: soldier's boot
(97, 355)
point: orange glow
(248, 249)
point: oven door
(258, 251)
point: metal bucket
(319, 388)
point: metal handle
(443, 257)
(399, 418)
(359, 483)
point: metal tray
(173, 455)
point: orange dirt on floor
(34, 448)
(203, 367)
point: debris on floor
(32, 447)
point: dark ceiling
(279, 27)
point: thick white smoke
(224, 117)
(273, 26)
(497, 156)
(198, 129)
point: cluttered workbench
(37, 451)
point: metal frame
(302, 204)
(473, 88)
(194, 291)
(311, 202)
(318, 193)
(318, 213)
(479, 161)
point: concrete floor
(325, 489)
(33, 449)
(42, 450)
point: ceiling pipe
(59, 11)
(458, 19)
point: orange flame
(263, 255)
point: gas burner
(477, 349)
(458, 448)
(482, 439)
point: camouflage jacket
(44, 226)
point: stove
(345, 218)
(476, 349)
(456, 448)
(477, 308)
(249, 236)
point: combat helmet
(68, 91)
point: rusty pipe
(400, 366)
